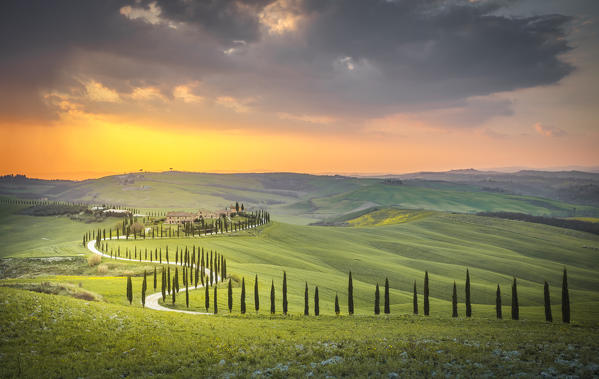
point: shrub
(94, 260)
(102, 269)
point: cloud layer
(311, 61)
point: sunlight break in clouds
(183, 92)
(548, 131)
(97, 92)
(281, 16)
(147, 93)
(232, 103)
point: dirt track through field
(152, 300)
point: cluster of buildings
(183, 217)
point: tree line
(583, 226)
(172, 291)
(131, 228)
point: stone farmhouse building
(183, 217)
(180, 217)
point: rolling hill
(294, 198)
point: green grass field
(62, 335)
(444, 244)
(51, 236)
(56, 336)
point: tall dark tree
(207, 297)
(155, 278)
(316, 302)
(129, 290)
(337, 309)
(272, 298)
(174, 292)
(468, 302)
(515, 305)
(187, 295)
(306, 305)
(242, 295)
(284, 293)
(144, 286)
(565, 299)
(176, 282)
(163, 282)
(377, 300)
(426, 294)
(256, 295)
(415, 300)
(454, 301)
(215, 301)
(168, 279)
(350, 295)
(387, 302)
(548, 316)
(498, 303)
(230, 295)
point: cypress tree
(284, 293)
(176, 279)
(256, 296)
(242, 295)
(316, 302)
(215, 301)
(337, 310)
(173, 292)
(187, 295)
(272, 298)
(565, 299)
(387, 303)
(548, 316)
(306, 306)
(350, 295)
(468, 303)
(230, 294)
(426, 293)
(207, 297)
(154, 278)
(377, 300)
(454, 301)
(168, 280)
(144, 285)
(515, 306)
(163, 285)
(498, 303)
(415, 300)
(129, 289)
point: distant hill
(571, 186)
(304, 199)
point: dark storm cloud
(347, 58)
(228, 20)
(433, 50)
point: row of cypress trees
(515, 308)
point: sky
(91, 88)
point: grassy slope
(441, 197)
(444, 244)
(30, 236)
(54, 336)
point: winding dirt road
(151, 300)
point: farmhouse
(180, 217)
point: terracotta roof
(180, 214)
